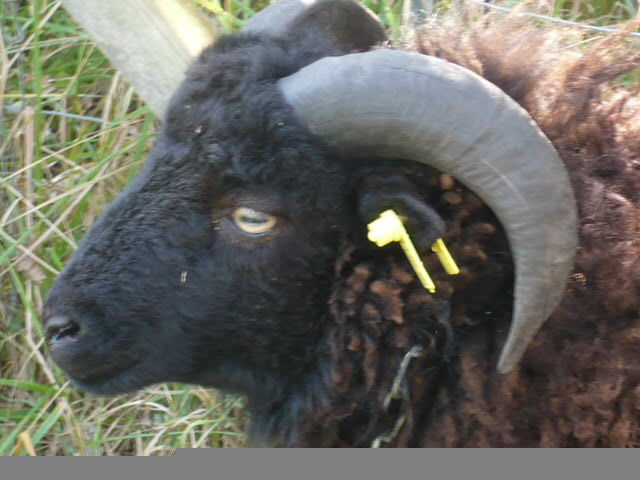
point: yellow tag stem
(445, 257)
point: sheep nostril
(60, 327)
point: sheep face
(167, 281)
(215, 265)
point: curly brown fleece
(579, 383)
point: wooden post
(150, 41)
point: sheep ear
(353, 26)
(378, 193)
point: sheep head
(237, 204)
(216, 266)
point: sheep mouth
(93, 372)
(111, 381)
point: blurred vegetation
(72, 134)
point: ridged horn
(404, 105)
(352, 25)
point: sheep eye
(253, 221)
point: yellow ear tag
(445, 257)
(388, 228)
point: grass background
(72, 134)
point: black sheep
(238, 258)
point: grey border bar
(348, 464)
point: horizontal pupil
(254, 220)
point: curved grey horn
(410, 106)
(352, 25)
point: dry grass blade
(73, 135)
(25, 441)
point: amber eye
(253, 221)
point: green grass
(72, 134)
(57, 174)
